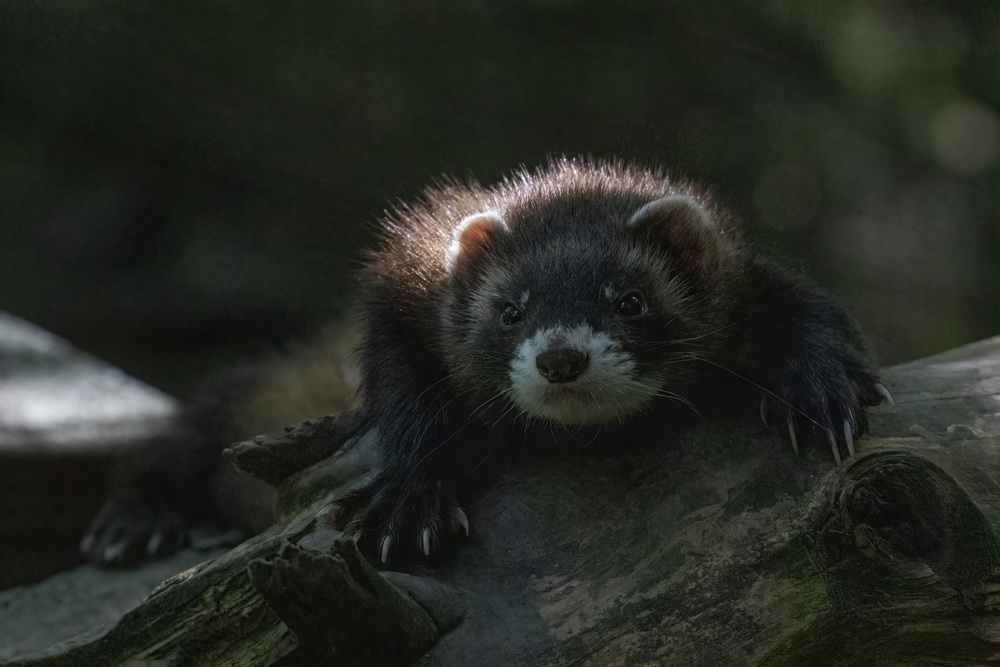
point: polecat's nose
(562, 364)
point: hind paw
(126, 532)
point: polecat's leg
(411, 506)
(814, 370)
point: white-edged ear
(681, 209)
(471, 239)
(686, 228)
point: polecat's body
(583, 294)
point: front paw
(824, 400)
(397, 518)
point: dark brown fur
(436, 354)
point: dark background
(183, 183)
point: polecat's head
(580, 309)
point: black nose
(562, 364)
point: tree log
(719, 548)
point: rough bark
(717, 549)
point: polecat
(584, 293)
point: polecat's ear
(685, 227)
(471, 239)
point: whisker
(765, 390)
(465, 424)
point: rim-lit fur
(566, 251)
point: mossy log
(720, 548)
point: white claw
(383, 552)
(87, 542)
(425, 540)
(461, 519)
(763, 417)
(153, 545)
(849, 437)
(114, 553)
(833, 445)
(791, 434)
(880, 388)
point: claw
(833, 445)
(459, 517)
(880, 388)
(425, 541)
(791, 434)
(849, 437)
(383, 552)
(87, 542)
(154, 543)
(114, 552)
(763, 417)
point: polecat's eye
(631, 305)
(511, 314)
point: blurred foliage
(182, 181)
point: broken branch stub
(340, 608)
(273, 459)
